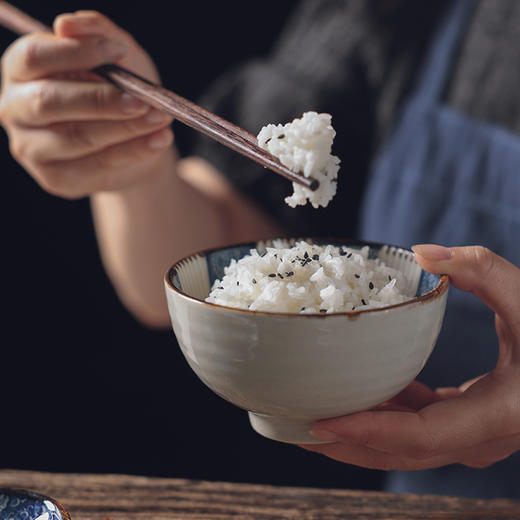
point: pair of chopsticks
(185, 111)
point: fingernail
(432, 251)
(160, 140)
(325, 435)
(130, 104)
(111, 50)
(155, 116)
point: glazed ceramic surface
(288, 370)
(18, 504)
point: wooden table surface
(122, 497)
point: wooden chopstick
(185, 111)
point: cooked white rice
(308, 279)
(305, 146)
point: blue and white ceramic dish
(18, 504)
(289, 370)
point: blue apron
(446, 178)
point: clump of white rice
(305, 146)
(308, 279)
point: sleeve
(318, 64)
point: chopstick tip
(314, 185)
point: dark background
(84, 387)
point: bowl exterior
(22, 504)
(305, 366)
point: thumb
(478, 270)
(86, 23)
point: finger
(480, 456)
(477, 269)
(73, 140)
(87, 22)
(113, 168)
(467, 384)
(479, 415)
(490, 452)
(47, 101)
(81, 23)
(365, 457)
(40, 55)
(449, 392)
(415, 396)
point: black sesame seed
(306, 255)
(272, 275)
(342, 253)
(323, 310)
(289, 273)
(302, 309)
(315, 257)
(253, 280)
(370, 285)
(363, 301)
(238, 283)
(220, 287)
(267, 140)
(357, 276)
(281, 136)
(389, 278)
(349, 255)
(280, 276)
(353, 308)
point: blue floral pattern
(25, 505)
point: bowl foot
(283, 429)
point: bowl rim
(441, 287)
(34, 495)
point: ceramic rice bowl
(289, 370)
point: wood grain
(122, 497)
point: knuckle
(43, 101)
(29, 48)
(484, 258)
(5, 62)
(20, 56)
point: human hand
(475, 425)
(74, 133)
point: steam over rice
(304, 146)
(308, 279)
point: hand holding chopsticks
(185, 111)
